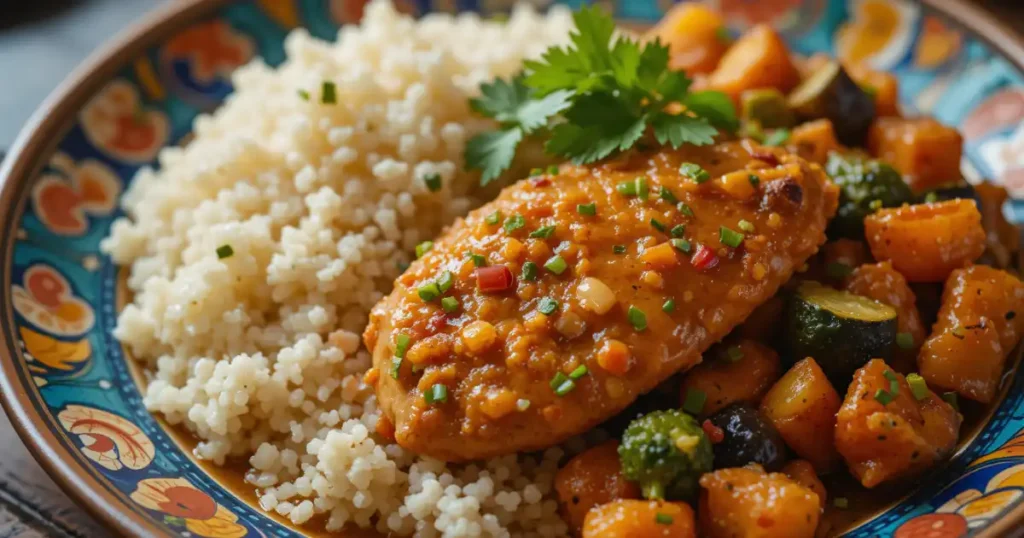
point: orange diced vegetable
(640, 519)
(979, 323)
(926, 152)
(740, 372)
(883, 86)
(884, 434)
(925, 242)
(661, 256)
(590, 479)
(814, 140)
(759, 59)
(884, 284)
(747, 502)
(803, 473)
(614, 357)
(693, 33)
(802, 406)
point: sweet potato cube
(925, 151)
(694, 35)
(759, 59)
(802, 406)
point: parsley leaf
(501, 100)
(597, 125)
(680, 129)
(492, 152)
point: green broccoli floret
(665, 452)
(865, 185)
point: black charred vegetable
(665, 452)
(830, 93)
(749, 438)
(865, 185)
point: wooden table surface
(31, 505)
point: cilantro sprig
(593, 98)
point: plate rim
(41, 134)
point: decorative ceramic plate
(74, 397)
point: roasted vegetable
(879, 281)
(884, 431)
(748, 502)
(694, 35)
(831, 94)
(592, 478)
(802, 407)
(926, 152)
(842, 330)
(665, 452)
(881, 86)
(766, 106)
(758, 59)
(732, 372)
(640, 519)
(803, 473)
(749, 438)
(980, 322)
(864, 186)
(925, 242)
(814, 140)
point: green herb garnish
(677, 231)
(694, 400)
(433, 182)
(668, 306)
(329, 93)
(514, 223)
(556, 264)
(424, 248)
(905, 341)
(547, 306)
(637, 318)
(918, 386)
(587, 209)
(225, 251)
(543, 232)
(529, 271)
(729, 238)
(449, 304)
(694, 172)
(438, 393)
(777, 138)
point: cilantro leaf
(596, 126)
(593, 35)
(536, 113)
(492, 152)
(716, 106)
(680, 129)
(501, 99)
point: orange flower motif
(177, 497)
(751, 12)
(116, 123)
(213, 48)
(53, 353)
(46, 300)
(879, 32)
(62, 200)
(937, 44)
(107, 439)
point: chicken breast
(553, 307)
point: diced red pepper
(494, 278)
(768, 157)
(541, 181)
(704, 259)
(715, 434)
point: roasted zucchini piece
(865, 185)
(842, 331)
(766, 106)
(830, 93)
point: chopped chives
(918, 386)
(950, 398)
(931, 197)
(556, 264)
(478, 259)
(225, 251)
(433, 182)
(557, 380)
(543, 232)
(396, 365)
(668, 306)
(838, 270)
(450, 304)
(446, 281)
(658, 225)
(894, 382)
(684, 209)
(733, 353)
(875, 204)
(905, 340)
(777, 138)
(565, 388)
(329, 93)
(694, 400)
(754, 180)
(547, 306)
(637, 318)
(424, 248)
(667, 195)
(729, 238)
(429, 291)
(401, 345)
(522, 404)
(578, 372)
(641, 187)
(587, 209)
(438, 394)
(619, 249)
(746, 226)
(493, 218)
(883, 396)
(514, 223)
(529, 271)
(536, 172)
(626, 188)
(304, 95)
(678, 230)
(840, 502)
(681, 245)
(553, 169)
(663, 519)
(694, 172)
